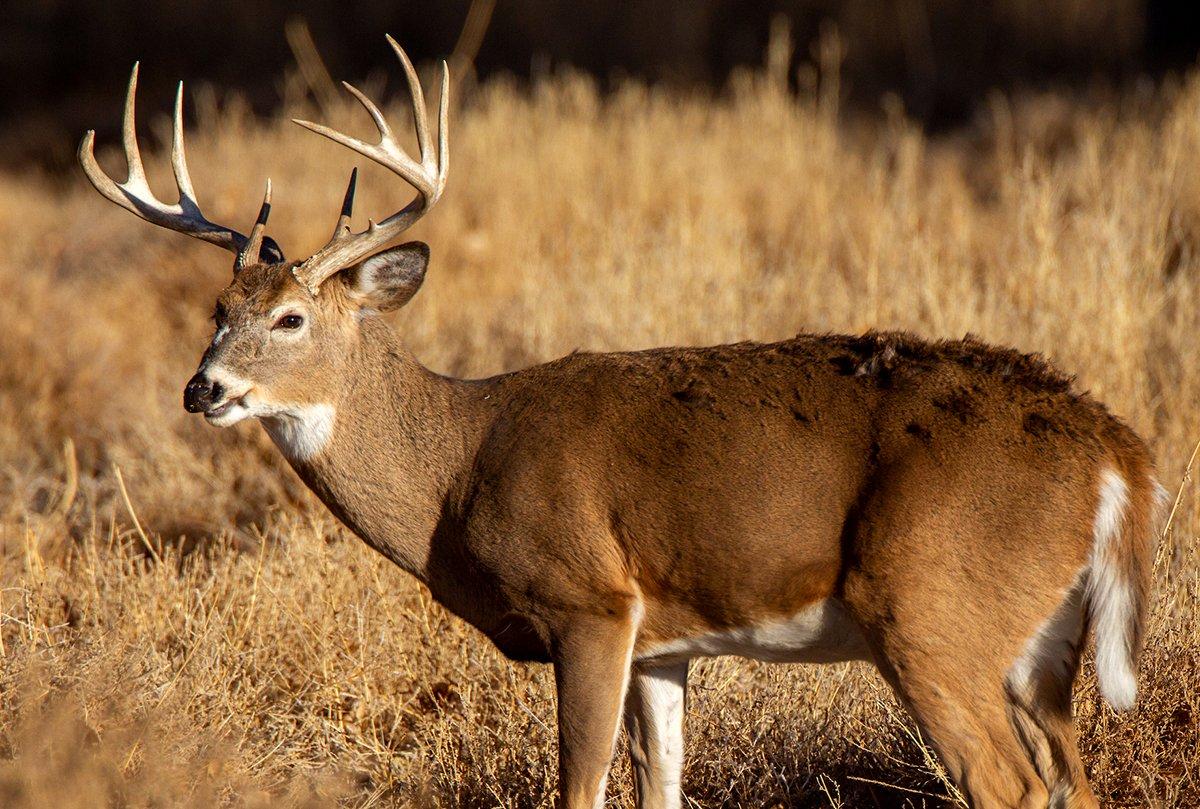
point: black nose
(201, 393)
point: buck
(957, 513)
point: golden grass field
(233, 645)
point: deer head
(285, 329)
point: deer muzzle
(201, 394)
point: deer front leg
(654, 711)
(591, 670)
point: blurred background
(62, 62)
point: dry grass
(248, 651)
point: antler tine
(342, 229)
(178, 155)
(135, 196)
(109, 188)
(444, 128)
(427, 176)
(254, 242)
(133, 157)
(420, 116)
(385, 130)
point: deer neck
(387, 453)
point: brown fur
(592, 508)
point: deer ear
(388, 280)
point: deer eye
(289, 322)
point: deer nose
(201, 394)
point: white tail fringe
(1110, 597)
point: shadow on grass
(841, 775)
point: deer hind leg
(1039, 693)
(947, 659)
(592, 657)
(654, 712)
(964, 713)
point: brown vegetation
(230, 643)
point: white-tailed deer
(954, 512)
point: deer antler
(134, 194)
(428, 177)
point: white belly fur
(821, 633)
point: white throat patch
(301, 432)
